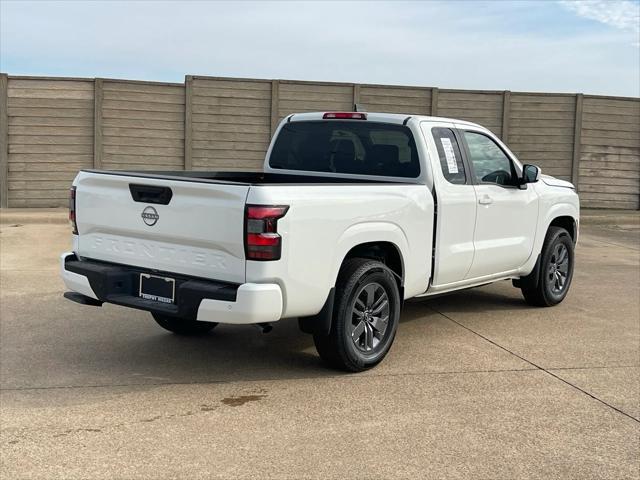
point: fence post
(4, 141)
(356, 96)
(577, 141)
(275, 105)
(434, 101)
(98, 97)
(506, 115)
(188, 124)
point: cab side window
(450, 156)
(490, 164)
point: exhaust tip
(264, 327)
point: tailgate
(199, 232)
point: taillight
(262, 241)
(345, 115)
(72, 209)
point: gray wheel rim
(558, 269)
(369, 317)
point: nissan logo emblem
(150, 216)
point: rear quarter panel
(324, 222)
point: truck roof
(397, 118)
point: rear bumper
(196, 299)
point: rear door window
(450, 157)
(352, 146)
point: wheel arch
(562, 214)
(385, 241)
(383, 251)
(567, 222)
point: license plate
(158, 289)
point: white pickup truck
(353, 214)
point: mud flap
(319, 323)
(530, 282)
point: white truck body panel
(454, 246)
(200, 233)
(255, 303)
(325, 222)
(505, 224)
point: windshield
(352, 146)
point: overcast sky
(591, 46)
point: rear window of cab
(350, 146)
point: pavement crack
(538, 367)
(635, 249)
(599, 367)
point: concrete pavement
(477, 385)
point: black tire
(343, 347)
(182, 326)
(552, 285)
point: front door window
(490, 163)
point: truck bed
(244, 178)
(192, 223)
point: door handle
(485, 200)
(150, 194)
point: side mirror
(530, 174)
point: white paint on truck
(200, 233)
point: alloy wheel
(558, 269)
(369, 317)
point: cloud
(620, 14)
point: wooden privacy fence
(52, 127)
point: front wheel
(556, 270)
(183, 326)
(365, 316)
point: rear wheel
(182, 326)
(556, 270)
(365, 316)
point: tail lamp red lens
(345, 115)
(72, 209)
(262, 241)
